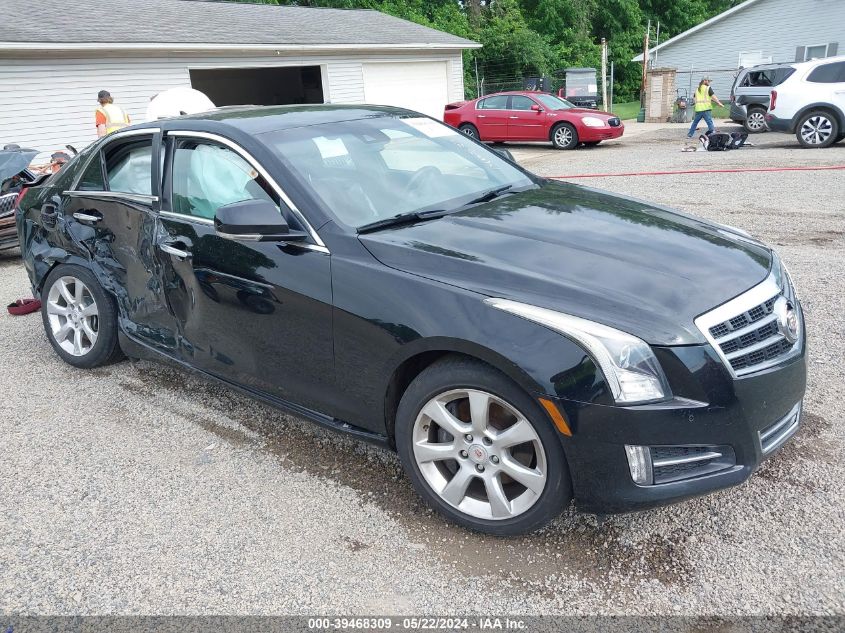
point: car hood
(643, 269)
(14, 161)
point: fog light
(639, 461)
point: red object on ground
(24, 306)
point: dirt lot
(138, 489)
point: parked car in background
(15, 177)
(810, 103)
(532, 116)
(751, 91)
(520, 342)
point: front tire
(80, 319)
(755, 121)
(470, 130)
(816, 129)
(481, 451)
(564, 136)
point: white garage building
(55, 60)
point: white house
(55, 58)
(752, 32)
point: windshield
(372, 169)
(554, 103)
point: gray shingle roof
(196, 22)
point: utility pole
(641, 116)
(604, 74)
(477, 84)
(656, 44)
(611, 88)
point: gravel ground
(137, 489)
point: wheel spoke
(89, 332)
(433, 452)
(518, 433)
(62, 332)
(500, 507)
(79, 289)
(65, 292)
(528, 477)
(438, 413)
(89, 311)
(55, 308)
(455, 491)
(479, 407)
(77, 342)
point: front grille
(7, 204)
(746, 332)
(614, 122)
(774, 436)
(675, 463)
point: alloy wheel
(816, 130)
(479, 454)
(756, 121)
(563, 136)
(469, 131)
(73, 316)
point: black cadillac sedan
(521, 343)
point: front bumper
(8, 232)
(776, 124)
(736, 417)
(591, 134)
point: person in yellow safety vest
(704, 97)
(109, 117)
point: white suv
(811, 103)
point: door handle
(171, 248)
(482, 116)
(88, 216)
(513, 117)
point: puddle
(574, 544)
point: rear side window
(766, 78)
(828, 73)
(129, 167)
(92, 179)
(499, 102)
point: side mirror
(536, 108)
(254, 220)
(505, 154)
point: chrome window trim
(108, 141)
(114, 195)
(760, 293)
(260, 169)
(186, 217)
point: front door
(525, 124)
(254, 313)
(492, 117)
(112, 211)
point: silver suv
(750, 94)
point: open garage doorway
(260, 86)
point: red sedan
(532, 116)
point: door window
(521, 103)
(129, 167)
(92, 179)
(207, 176)
(828, 74)
(499, 102)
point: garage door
(420, 86)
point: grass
(631, 109)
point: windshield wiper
(490, 195)
(403, 218)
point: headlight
(592, 121)
(783, 278)
(628, 364)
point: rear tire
(755, 120)
(80, 319)
(816, 129)
(461, 428)
(564, 136)
(470, 130)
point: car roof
(769, 66)
(259, 119)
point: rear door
(492, 117)
(525, 124)
(255, 313)
(827, 82)
(111, 213)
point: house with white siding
(752, 32)
(55, 60)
